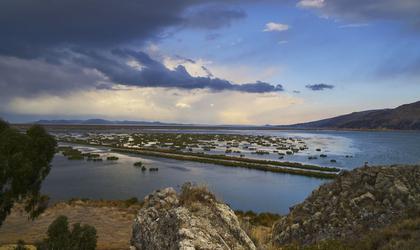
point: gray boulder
(194, 219)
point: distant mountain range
(100, 122)
(404, 117)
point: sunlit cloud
(162, 104)
(196, 68)
(311, 3)
(182, 105)
(275, 27)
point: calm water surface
(243, 189)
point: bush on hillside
(61, 238)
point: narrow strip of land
(294, 168)
(234, 162)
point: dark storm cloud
(152, 73)
(319, 86)
(71, 37)
(27, 27)
(20, 77)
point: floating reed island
(229, 150)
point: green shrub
(58, 233)
(21, 245)
(61, 238)
(131, 201)
(83, 237)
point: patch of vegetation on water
(232, 162)
(138, 164)
(189, 142)
(71, 153)
(76, 154)
(192, 147)
(75, 157)
(143, 168)
(91, 156)
(112, 158)
(234, 158)
(94, 159)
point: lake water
(242, 189)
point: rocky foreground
(367, 208)
(194, 219)
(353, 205)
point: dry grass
(191, 194)
(13, 246)
(258, 227)
(261, 236)
(112, 220)
(131, 204)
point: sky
(250, 62)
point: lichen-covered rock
(192, 220)
(355, 203)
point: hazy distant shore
(52, 127)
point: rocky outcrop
(194, 219)
(352, 205)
